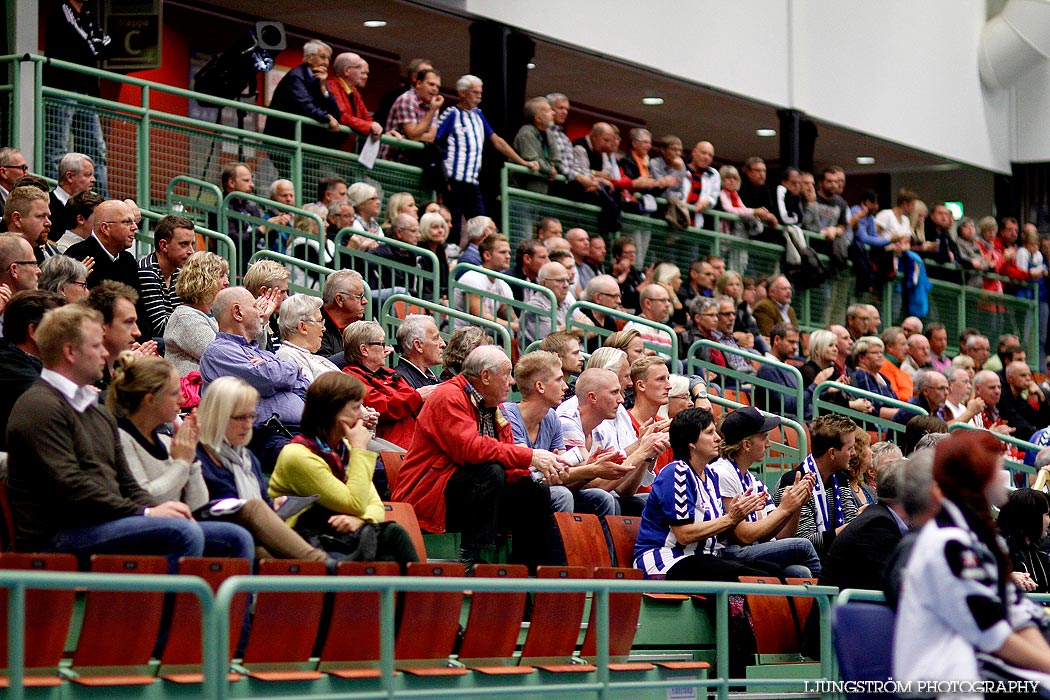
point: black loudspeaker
(270, 36)
(500, 56)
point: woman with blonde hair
(668, 276)
(191, 327)
(860, 465)
(433, 235)
(401, 203)
(367, 205)
(630, 341)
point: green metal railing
(571, 324)
(867, 421)
(530, 318)
(770, 389)
(1023, 445)
(289, 233)
(385, 271)
(390, 319)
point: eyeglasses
(79, 284)
(126, 222)
(245, 417)
(314, 320)
(617, 295)
(360, 297)
(710, 314)
(684, 397)
(20, 168)
(664, 301)
(30, 263)
(377, 344)
(727, 313)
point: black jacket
(20, 370)
(124, 269)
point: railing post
(601, 600)
(504, 183)
(142, 186)
(16, 624)
(297, 160)
(386, 640)
(39, 127)
(722, 642)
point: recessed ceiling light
(765, 132)
(652, 101)
(375, 23)
(865, 160)
(530, 65)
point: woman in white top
(367, 205)
(301, 326)
(190, 327)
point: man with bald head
(918, 357)
(988, 387)
(464, 473)
(1022, 404)
(776, 307)
(707, 183)
(405, 228)
(979, 348)
(18, 269)
(595, 155)
(911, 326)
(109, 245)
(349, 76)
(535, 322)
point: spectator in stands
(349, 77)
(248, 237)
(18, 270)
(120, 330)
(13, 165)
(593, 262)
(464, 473)
(81, 209)
(413, 115)
(344, 302)
(389, 393)
(302, 327)
(970, 257)
(655, 307)
(731, 203)
(766, 534)
(979, 348)
(282, 191)
(174, 241)
(66, 276)
(625, 254)
(534, 143)
(869, 359)
(566, 345)
(367, 204)
(535, 323)
(911, 326)
(685, 521)
(331, 188)
(303, 91)
(595, 155)
(961, 401)
(776, 307)
(421, 346)
(331, 459)
(1009, 231)
(669, 167)
(460, 344)
(191, 326)
(267, 280)
(408, 78)
(495, 257)
(725, 335)
(386, 281)
(19, 353)
(56, 434)
(701, 281)
(640, 198)
(755, 194)
(26, 213)
(938, 244)
(1022, 404)
(896, 349)
(76, 174)
(651, 385)
(861, 470)
(234, 352)
(338, 215)
(918, 354)
(433, 236)
(862, 320)
(1008, 345)
(529, 257)
(602, 290)
(581, 183)
(579, 244)
(478, 229)
(590, 423)
(832, 507)
(931, 394)
(706, 187)
(988, 387)
(937, 335)
(1022, 523)
(783, 342)
(547, 228)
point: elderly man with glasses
(602, 290)
(109, 246)
(344, 302)
(535, 323)
(12, 166)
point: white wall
(830, 59)
(1032, 99)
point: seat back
(107, 642)
(584, 540)
(405, 515)
(429, 619)
(353, 630)
(624, 531)
(47, 612)
(495, 618)
(867, 656)
(184, 637)
(555, 626)
(623, 616)
(802, 606)
(285, 624)
(392, 465)
(775, 630)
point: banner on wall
(135, 27)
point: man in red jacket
(464, 473)
(349, 76)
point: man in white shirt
(495, 256)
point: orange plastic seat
(555, 625)
(584, 540)
(624, 609)
(405, 515)
(429, 624)
(775, 630)
(494, 624)
(351, 649)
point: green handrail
(174, 199)
(782, 448)
(571, 323)
(862, 419)
(522, 308)
(1008, 440)
(391, 320)
(601, 589)
(387, 269)
(751, 378)
(213, 654)
(227, 212)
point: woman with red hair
(961, 617)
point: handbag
(676, 215)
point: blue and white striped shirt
(466, 133)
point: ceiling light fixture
(652, 101)
(865, 160)
(530, 65)
(375, 23)
(765, 132)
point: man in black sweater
(109, 245)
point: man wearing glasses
(536, 324)
(602, 290)
(12, 166)
(656, 306)
(344, 302)
(109, 243)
